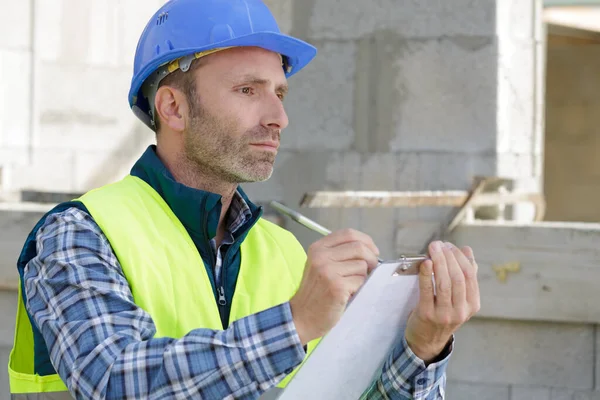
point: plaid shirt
(103, 346)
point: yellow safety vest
(166, 273)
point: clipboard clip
(408, 265)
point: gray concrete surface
(404, 95)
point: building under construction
(413, 112)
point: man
(168, 283)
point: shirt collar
(198, 210)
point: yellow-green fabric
(166, 273)
(20, 363)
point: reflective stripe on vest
(166, 273)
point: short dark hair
(183, 81)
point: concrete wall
(572, 166)
(404, 95)
(64, 104)
(407, 97)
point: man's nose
(275, 117)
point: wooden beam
(545, 271)
(9, 285)
(381, 199)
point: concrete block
(409, 18)
(565, 394)
(93, 168)
(517, 90)
(597, 369)
(311, 171)
(534, 285)
(447, 89)
(50, 170)
(102, 32)
(320, 103)
(516, 165)
(440, 171)
(529, 393)
(59, 28)
(15, 98)
(517, 18)
(524, 354)
(10, 156)
(409, 169)
(376, 101)
(413, 235)
(15, 30)
(379, 173)
(461, 390)
(70, 115)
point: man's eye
(246, 90)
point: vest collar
(199, 211)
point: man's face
(236, 114)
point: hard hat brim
(298, 53)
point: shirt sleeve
(102, 345)
(406, 377)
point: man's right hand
(337, 266)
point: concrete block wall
(408, 97)
(64, 105)
(404, 95)
(509, 360)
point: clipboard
(350, 356)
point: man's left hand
(436, 317)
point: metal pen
(406, 261)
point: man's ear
(171, 108)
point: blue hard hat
(182, 30)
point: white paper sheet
(350, 356)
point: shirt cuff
(405, 374)
(275, 348)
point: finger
(457, 277)
(465, 260)
(473, 296)
(468, 252)
(354, 251)
(426, 294)
(349, 235)
(352, 268)
(443, 287)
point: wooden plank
(26, 207)
(457, 216)
(449, 198)
(544, 271)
